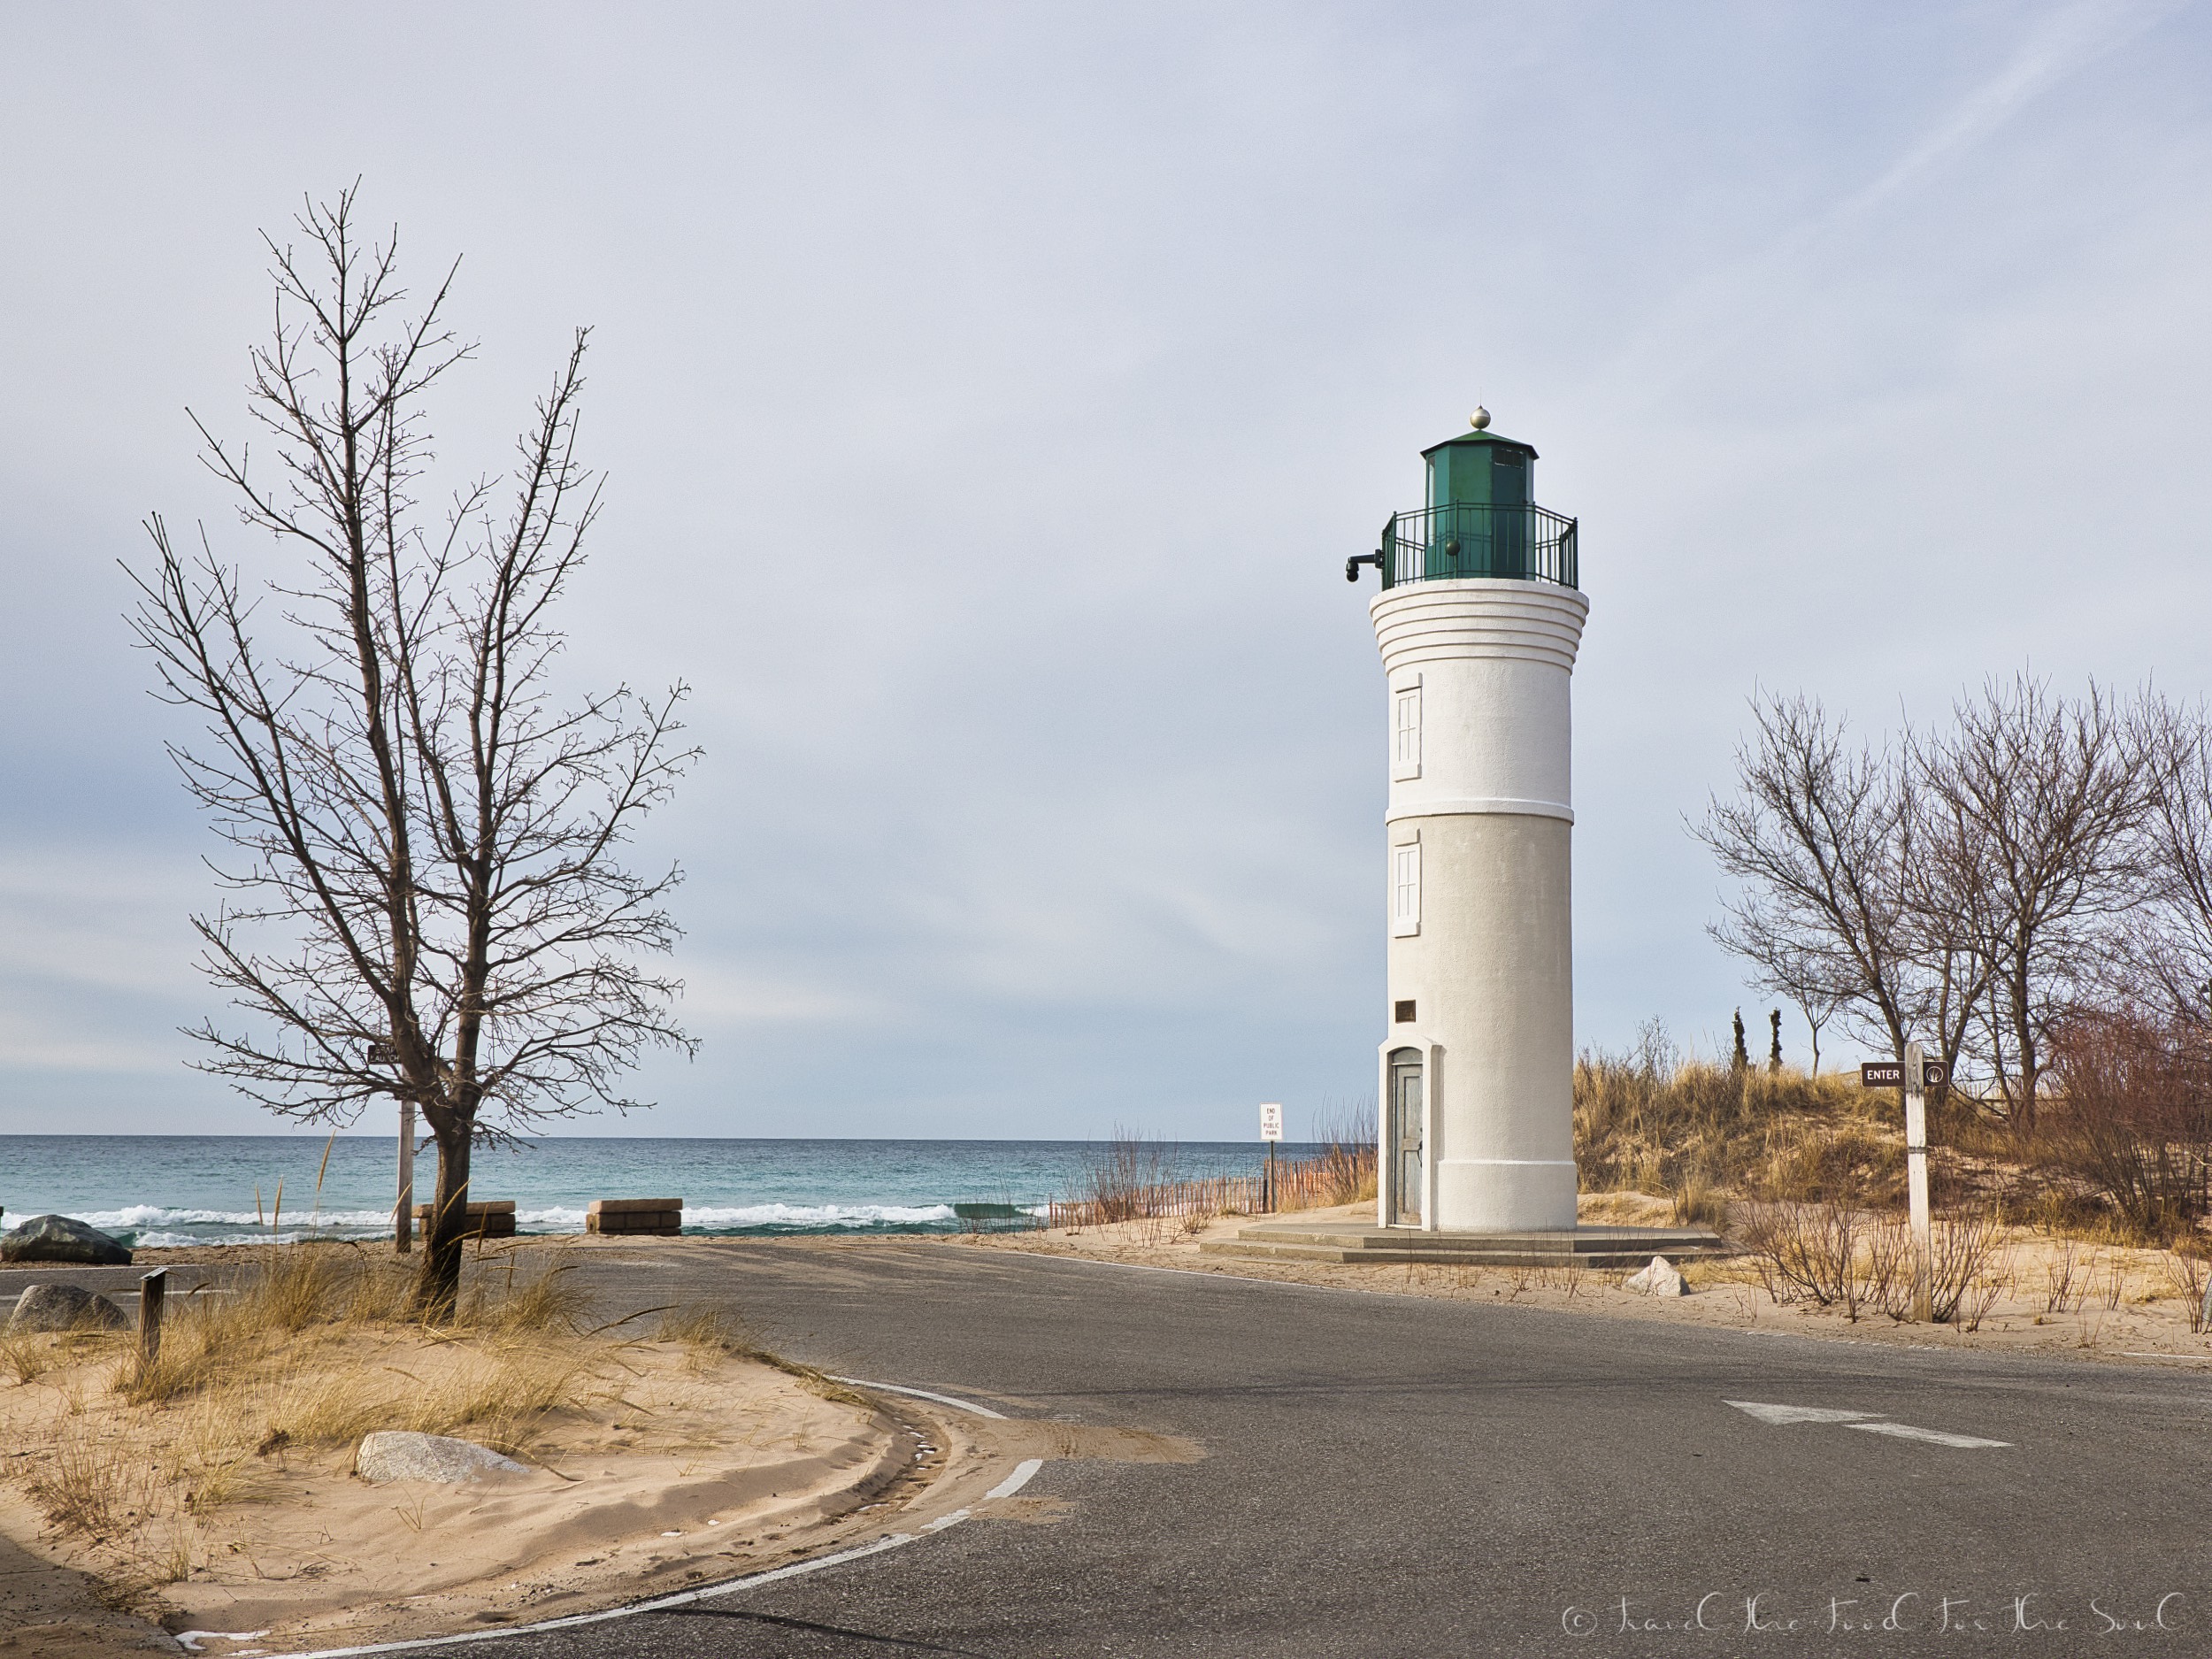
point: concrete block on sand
(663, 1215)
(393, 1455)
(62, 1239)
(1658, 1279)
(495, 1218)
(64, 1308)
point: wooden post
(1916, 1184)
(153, 1291)
(404, 1222)
(1270, 1177)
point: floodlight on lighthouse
(1479, 616)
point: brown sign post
(1891, 1074)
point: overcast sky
(990, 396)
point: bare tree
(2039, 801)
(1837, 906)
(2169, 960)
(1816, 1003)
(1944, 874)
(1817, 839)
(425, 842)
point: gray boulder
(391, 1454)
(62, 1239)
(1658, 1279)
(64, 1308)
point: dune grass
(301, 1358)
(1701, 1134)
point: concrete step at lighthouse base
(1591, 1247)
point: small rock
(64, 1308)
(1659, 1280)
(391, 1454)
(62, 1239)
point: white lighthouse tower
(1478, 620)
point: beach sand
(2068, 1298)
(679, 1467)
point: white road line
(1936, 1437)
(688, 1598)
(1020, 1478)
(924, 1393)
(659, 1604)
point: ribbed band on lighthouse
(1478, 620)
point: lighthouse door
(1405, 1137)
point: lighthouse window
(1405, 890)
(1405, 732)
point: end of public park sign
(1891, 1074)
(1271, 1121)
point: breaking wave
(155, 1225)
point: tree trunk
(2024, 1055)
(438, 1284)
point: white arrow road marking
(1870, 1422)
(1799, 1414)
(1906, 1432)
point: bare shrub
(1838, 1255)
(2133, 1123)
(2187, 1272)
(1809, 1251)
(1963, 1252)
(2066, 1278)
(2116, 1283)
(1983, 1294)
(1889, 1265)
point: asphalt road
(1394, 1476)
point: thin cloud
(1713, 316)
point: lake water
(223, 1190)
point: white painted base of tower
(1505, 1195)
(1484, 960)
